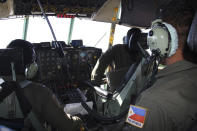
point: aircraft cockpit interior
(41, 80)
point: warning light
(65, 16)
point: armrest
(103, 93)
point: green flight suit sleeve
(102, 64)
(156, 118)
(46, 107)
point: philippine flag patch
(136, 116)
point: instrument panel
(64, 74)
(80, 62)
(49, 63)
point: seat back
(14, 123)
(24, 104)
(192, 43)
(133, 84)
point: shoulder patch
(136, 116)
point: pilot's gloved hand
(78, 124)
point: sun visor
(6, 8)
(139, 12)
(107, 12)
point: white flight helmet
(163, 37)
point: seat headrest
(192, 36)
(29, 54)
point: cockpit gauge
(82, 54)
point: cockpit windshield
(92, 33)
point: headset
(32, 68)
(29, 57)
(163, 37)
(133, 38)
(192, 36)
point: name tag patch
(136, 116)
